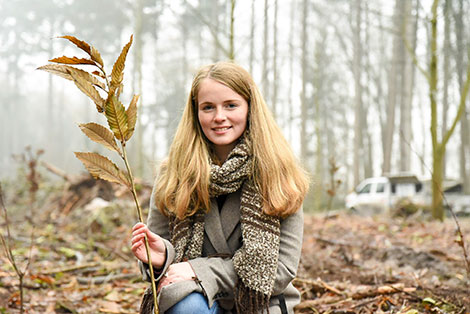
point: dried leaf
(90, 50)
(98, 73)
(87, 76)
(87, 88)
(72, 60)
(117, 118)
(96, 56)
(102, 168)
(79, 43)
(101, 135)
(57, 69)
(64, 71)
(118, 67)
(131, 116)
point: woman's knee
(192, 303)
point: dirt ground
(354, 264)
(81, 262)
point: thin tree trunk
(216, 20)
(252, 36)
(406, 135)
(303, 94)
(357, 68)
(265, 74)
(138, 47)
(232, 31)
(289, 107)
(275, 49)
(392, 93)
(368, 146)
(464, 123)
(446, 78)
(439, 147)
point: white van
(380, 194)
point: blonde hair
(182, 186)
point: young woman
(225, 223)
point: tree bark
(275, 50)
(357, 68)
(408, 74)
(464, 123)
(446, 78)
(252, 36)
(265, 74)
(303, 93)
(392, 93)
(138, 47)
(439, 147)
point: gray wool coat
(216, 275)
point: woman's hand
(157, 247)
(176, 273)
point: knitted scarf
(256, 261)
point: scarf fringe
(249, 301)
(146, 307)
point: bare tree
(439, 146)
(357, 68)
(409, 28)
(393, 89)
(459, 55)
(303, 93)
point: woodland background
(347, 83)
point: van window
(380, 187)
(365, 189)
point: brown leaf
(101, 135)
(96, 56)
(117, 118)
(118, 67)
(101, 167)
(79, 43)
(72, 60)
(98, 73)
(90, 50)
(87, 88)
(64, 71)
(57, 69)
(131, 116)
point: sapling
(121, 121)
(8, 249)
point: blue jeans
(194, 303)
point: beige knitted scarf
(256, 261)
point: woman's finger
(138, 225)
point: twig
(70, 269)
(319, 284)
(98, 280)
(57, 171)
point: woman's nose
(219, 115)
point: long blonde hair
(182, 186)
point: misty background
(339, 76)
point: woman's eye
(207, 107)
(231, 106)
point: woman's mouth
(221, 129)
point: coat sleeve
(217, 275)
(158, 223)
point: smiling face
(222, 114)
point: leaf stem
(139, 212)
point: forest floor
(81, 261)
